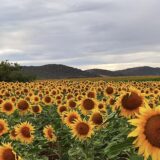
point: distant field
(122, 78)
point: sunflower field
(80, 120)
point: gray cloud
(80, 33)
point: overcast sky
(109, 34)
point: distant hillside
(137, 71)
(55, 71)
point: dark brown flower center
(88, 104)
(25, 131)
(82, 128)
(8, 154)
(50, 133)
(72, 104)
(91, 95)
(131, 101)
(152, 130)
(23, 105)
(47, 99)
(62, 109)
(8, 106)
(72, 118)
(97, 119)
(1, 127)
(109, 90)
(35, 109)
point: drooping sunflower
(82, 130)
(147, 132)
(3, 127)
(23, 106)
(7, 152)
(96, 118)
(25, 132)
(88, 105)
(49, 133)
(130, 102)
(7, 107)
(71, 117)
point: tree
(11, 72)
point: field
(95, 119)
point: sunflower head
(7, 107)
(82, 130)
(3, 127)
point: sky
(107, 34)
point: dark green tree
(11, 72)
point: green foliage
(12, 72)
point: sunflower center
(26, 132)
(100, 106)
(88, 104)
(97, 118)
(8, 154)
(62, 109)
(8, 106)
(72, 104)
(50, 133)
(13, 133)
(82, 128)
(47, 99)
(152, 130)
(109, 90)
(23, 105)
(72, 118)
(131, 101)
(91, 95)
(35, 109)
(1, 128)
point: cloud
(80, 33)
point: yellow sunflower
(25, 132)
(82, 130)
(88, 105)
(147, 132)
(7, 107)
(96, 118)
(23, 106)
(7, 152)
(71, 117)
(49, 133)
(36, 109)
(3, 127)
(130, 102)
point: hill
(137, 71)
(56, 71)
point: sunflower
(130, 102)
(25, 132)
(61, 109)
(47, 100)
(82, 130)
(88, 105)
(23, 106)
(96, 118)
(49, 133)
(7, 152)
(109, 91)
(36, 109)
(7, 107)
(3, 127)
(71, 117)
(147, 132)
(71, 104)
(13, 134)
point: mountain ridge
(59, 71)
